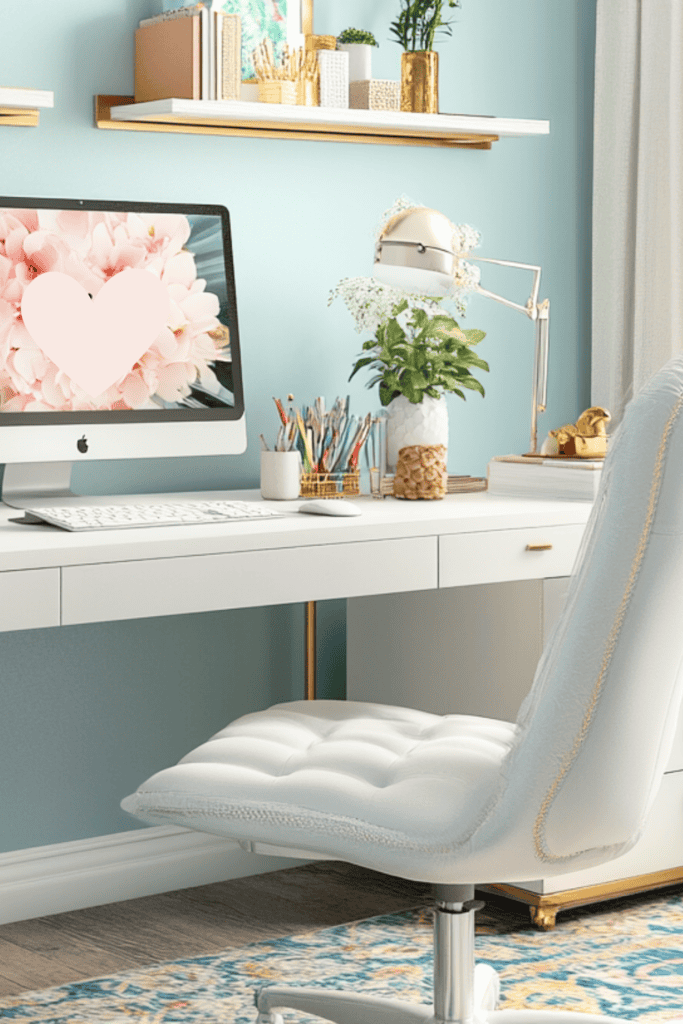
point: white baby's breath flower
(372, 303)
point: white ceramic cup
(280, 475)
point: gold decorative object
(314, 43)
(277, 92)
(294, 80)
(420, 81)
(330, 485)
(375, 94)
(421, 472)
(585, 439)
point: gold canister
(420, 81)
(277, 91)
(307, 90)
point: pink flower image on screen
(93, 248)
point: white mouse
(331, 507)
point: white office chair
(457, 800)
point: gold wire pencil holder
(330, 485)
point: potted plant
(419, 355)
(358, 44)
(415, 29)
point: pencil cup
(280, 475)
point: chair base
(463, 993)
(353, 1008)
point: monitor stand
(28, 484)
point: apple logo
(82, 444)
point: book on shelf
(537, 477)
(168, 60)
(220, 45)
(228, 50)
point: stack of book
(537, 477)
(191, 53)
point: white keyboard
(167, 513)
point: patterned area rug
(624, 959)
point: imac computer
(118, 338)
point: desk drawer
(29, 599)
(246, 579)
(502, 555)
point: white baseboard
(47, 880)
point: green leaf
(474, 336)
(469, 359)
(359, 366)
(386, 394)
(473, 384)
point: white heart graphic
(95, 341)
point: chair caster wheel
(270, 1017)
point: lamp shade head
(415, 252)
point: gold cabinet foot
(543, 917)
(543, 909)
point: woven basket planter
(421, 472)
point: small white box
(375, 94)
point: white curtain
(637, 196)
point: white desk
(411, 553)
(49, 577)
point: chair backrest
(597, 728)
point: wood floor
(101, 940)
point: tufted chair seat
(389, 788)
(456, 800)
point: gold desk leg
(544, 917)
(310, 642)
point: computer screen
(118, 332)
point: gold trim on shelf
(276, 129)
(21, 116)
(543, 909)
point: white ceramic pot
(408, 424)
(360, 60)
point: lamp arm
(539, 313)
(505, 302)
(531, 307)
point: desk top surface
(30, 547)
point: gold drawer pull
(538, 547)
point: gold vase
(420, 81)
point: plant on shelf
(415, 29)
(423, 355)
(418, 22)
(359, 45)
(357, 36)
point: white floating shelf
(27, 99)
(22, 106)
(325, 123)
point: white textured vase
(408, 424)
(360, 60)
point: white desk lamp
(417, 252)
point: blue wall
(98, 708)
